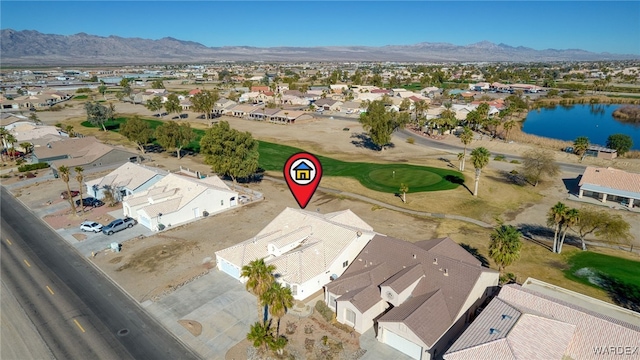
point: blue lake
(569, 122)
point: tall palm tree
(571, 218)
(3, 134)
(404, 188)
(80, 180)
(555, 218)
(466, 138)
(64, 174)
(11, 140)
(507, 128)
(505, 245)
(480, 158)
(279, 299)
(580, 145)
(259, 279)
(27, 146)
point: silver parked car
(118, 225)
(90, 226)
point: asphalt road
(78, 312)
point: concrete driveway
(219, 303)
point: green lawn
(379, 177)
(619, 277)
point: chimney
(435, 261)
(446, 272)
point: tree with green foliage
(205, 101)
(65, 174)
(608, 227)
(555, 217)
(261, 335)
(154, 104)
(538, 164)
(278, 299)
(259, 279)
(33, 116)
(157, 84)
(622, 143)
(174, 136)
(480, 158)
(230, 152)
(80, 179)
(405, 105)
(507, 126)
(580, 145)
(11, 140)
(98, 114)
(466, 137)
(404, 188)
(172, 105)
(380, 123)
(570, 218)
(102, 89)
(505, 245)
(137, 131)
(27, 146)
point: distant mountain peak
(32, 47)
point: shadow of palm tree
(476, 254)
(533, 233)
(454, 179)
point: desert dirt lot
(150, 266)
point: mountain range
(29, 47)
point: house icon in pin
(303, 171)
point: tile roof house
(87, 152)
(124, 181)
(177, 199)
(418, 296)
(308, 249)
(610, 184)
(522, 323)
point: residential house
(601, 152)
(289, 116)
(308, 249)
(248, 97)
(338, 88)
(609, 184)
(223, 106)
(86, 152)
(194, 92)
(177, 199)
(328, 104)
(126, 180)
(242, 110)
(260, 89)
(542, 321)
(417, 296)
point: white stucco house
(419, 296)
(126, 180)
(308, 249)
(177, 199)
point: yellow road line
(77, 323)
(9, 241)
(48, 288)
(26, 262)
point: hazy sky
(597, 26)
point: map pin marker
(303, 171)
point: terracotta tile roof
(560, 329)
(611, 178)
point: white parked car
(91, 226)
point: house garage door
(399, 343)
(145, 221)
(229, 269)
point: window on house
(345, 264)
(350, 316)
(294, 290)
(221, 202)
(332, 301)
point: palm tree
(404, 188)
(480, 158)
(80, 180)
(555, 218)
(279, 299)
(260, 335)
(505, 245)
(259, 279)
(69, 130)
(10, 139)
(27, 146)
(64, 174)
(507, 128)
(3, 135)
(580, 145)
(571, 218)
(466, 137)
